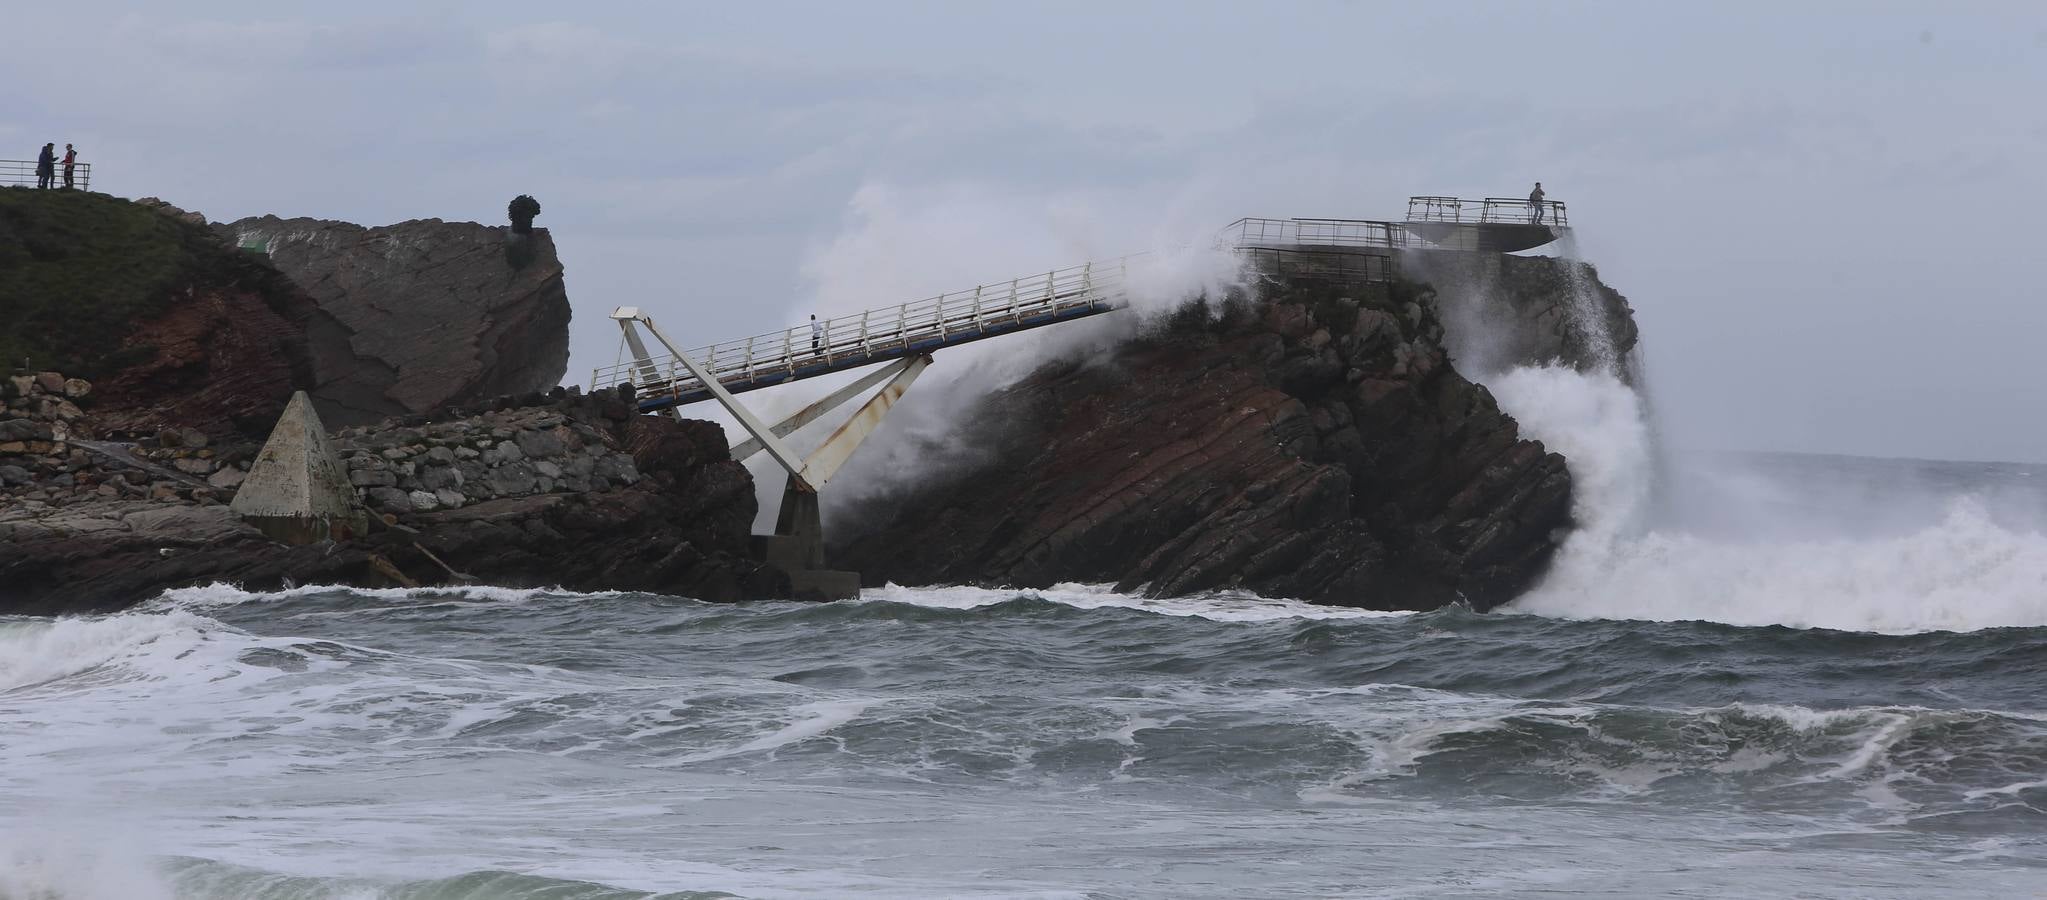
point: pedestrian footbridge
(900, 339)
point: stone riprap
(51, 455)
(530, 491)
(516, 452)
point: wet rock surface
(1313, 444)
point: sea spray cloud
(1960, 571)
(906, 244)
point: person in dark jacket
(46, 166)
(1535, 202)
(70, 159)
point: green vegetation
(79, 272)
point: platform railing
(1245, 234)
(1487, 211)
(986, 308)
(22, 173)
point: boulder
(418, 315)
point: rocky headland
(1303, 439)
(161, 383)
(418, 315)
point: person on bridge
(816, 336)
(70, 159)
(1535, 202)
(46, 166)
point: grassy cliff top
(80, 271)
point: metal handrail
(22, 173)
(980, 310)
(995, 308)
(1487, 211)
(1250, 233)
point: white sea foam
(1962, 573)
(219, 595)
(57, 862)
(34, 651)
(1220, 607)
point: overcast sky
(1827, 215)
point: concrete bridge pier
(797, 548)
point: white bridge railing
(947, 317)
(1488, 211)
(1246, 234)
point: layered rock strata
(1313, 443)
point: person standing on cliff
(1535, 202)
(70, 159)
(816, 336)
(46, 166)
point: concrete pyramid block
(297, 490)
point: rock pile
(514, 452)
(49, 455)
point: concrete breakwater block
(297, 490)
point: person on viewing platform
(70, 159)
(46, 166)
(1535, 202)
(816, 336)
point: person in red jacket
(70, 159)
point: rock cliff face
(174, 327)
(1313, 443)
(415, 316)
(1501, 312)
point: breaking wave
(1961, 572)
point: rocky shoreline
(663, 509)
(1308, 439)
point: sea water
(1817, 677)
(955, 742)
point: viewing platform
(22, 173)
(1490, 225)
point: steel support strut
(825, 461)
(642, 360)
(815, 410)
(747, 420)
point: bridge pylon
(797, 546)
